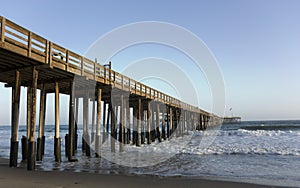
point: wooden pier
(227, 120)
(29, 60)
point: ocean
(261, 152)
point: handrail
(36, 47)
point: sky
(255, 43)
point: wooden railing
(22, 41)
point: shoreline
(20, 177)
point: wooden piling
(158, 122)
(14, 143)
(163, 126)
(31, 142)
(71, 152)
(153, 135)
(168, 122)
(192, 121)
(176, 125)
(200, 121)
(149, 117)
(86, 136)
(171, 123)
(98, 122)
(122, 123)
(76, 125)
(128, 126)
(93, 123)
(181, 126)
(143, 123)
(105, 127)
(28, 115)
(108, 121)
(24, 141)
(139, 121)
(57, 141)
(116, 113)
(67, 145)
(138, 114)
(44, 122)
(185, 128)
(118, 128)
(40, 140)
(204, 122)
(135, 125)
(113, 125)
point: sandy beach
(19, 177)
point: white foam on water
(248, 142)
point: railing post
(129, 85)
(29, 44)
(104, 69)
(82, 66)
(95, 69)
(109, 72)
(3, 29)
(141, 89)
(67, 59)
(47, 52)
(114, 78)
(50, 55)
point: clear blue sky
(256, 43)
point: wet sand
(21, 178)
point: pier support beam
(112, 128)
(128, 126)
(204, 122)
(185, 121)
(105, 127)
(171, 123)
(158, 123)
(142, 125)
(149, 117)
(122, 123)
(71, 123)
(97, 145)
(41, 137)
(93, 123)
(163, 127)
(153, 123)
(176, 120)
(139, 121)
(86, 136)
(193, 120)
(28, 115)
(57, 141)
(135, 126)
(168, 122)
(76, 125)
(200, 122)
(14, 143)
(108, 120)
(31, 142)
